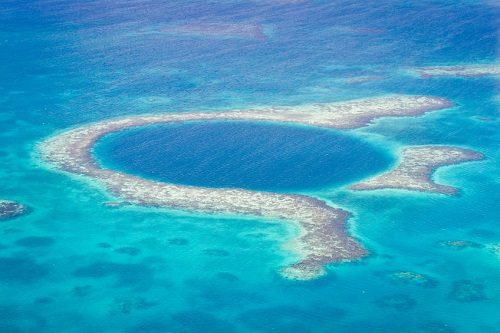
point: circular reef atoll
(322, 239)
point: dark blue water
(247, 155)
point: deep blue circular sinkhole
(257, 156)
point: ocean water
(256, 156)
(76, 265)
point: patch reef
(11, 209)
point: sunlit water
(76, 265)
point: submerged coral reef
(322, 232)
(11, 209)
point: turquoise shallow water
(75, 265)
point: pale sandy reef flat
(415, 170)
(459, 70)
(323, 238)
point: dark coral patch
(81, 291)
(131, 251)
(126, 305)
(227, 277)
(467, 291)
(399, 302)
(216, 252)
(11, 209)
(43, 300)
(17, 319)
(21, 269)
(103, 245)
(178, 241)
(35, 241)
(408, 277)
(10, 231)
(126, 274)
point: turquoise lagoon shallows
(257, 156)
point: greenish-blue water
(243, 155)
(75, 265)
